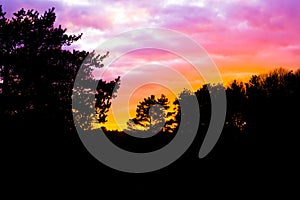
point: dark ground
(41, 155)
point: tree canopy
(38, 71)
(153, 114)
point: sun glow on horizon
(243, 38)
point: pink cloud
(231, 30)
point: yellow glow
(117, 119)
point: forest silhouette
(37, 77)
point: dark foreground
(44, 155)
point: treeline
(37, 76)
(260, 109)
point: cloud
(231, 30)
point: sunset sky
(242, 37)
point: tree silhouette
(37, 71)
(151, 114)
(32, 48)
(236, 98)
(92, 97)
(203, 97)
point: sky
(241, 37)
